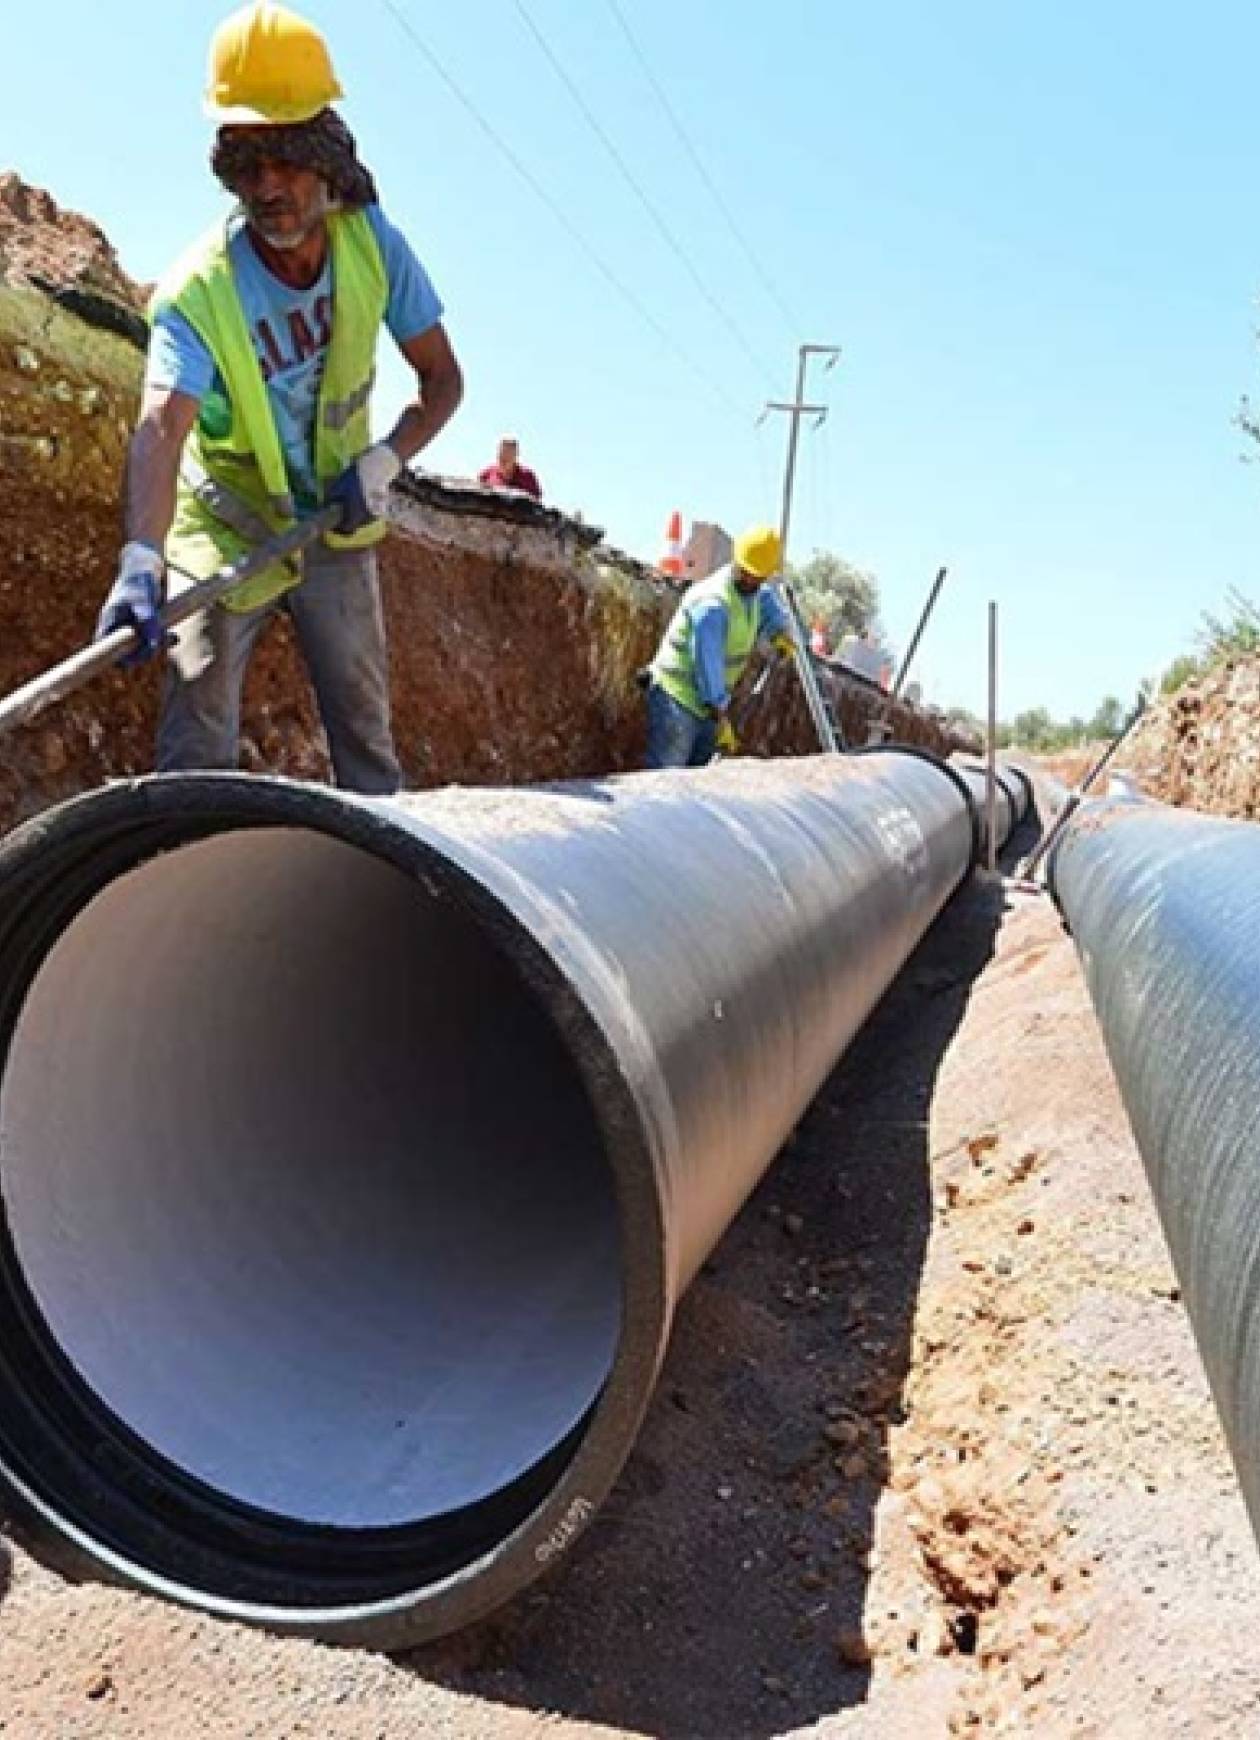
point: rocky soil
(1200, 747)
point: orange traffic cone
(672, 561)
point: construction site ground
(932, 1452)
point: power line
(636, 187)
(828, 501)
(766, 497)
(815, 513)
(715, 389)
(684, 138)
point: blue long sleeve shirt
(708, 642)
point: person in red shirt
(507, 472)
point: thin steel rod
(990, 806)
(1074, 798)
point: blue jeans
(675, 737)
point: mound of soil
(1200, 747)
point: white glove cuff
(137, 558)
(378, 468)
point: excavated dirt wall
(515, 633)
(1200, 747)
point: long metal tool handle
(917, 636)
(819, 712)
(990, 746)
(879, 726)
(30, 700)
(1055, 832)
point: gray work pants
(340, 628)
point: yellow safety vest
(674, 666)
(234, 488)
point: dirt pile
(66, 256)
(515, 632)
(1200, 747)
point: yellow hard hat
(759, 551)
(268, 67)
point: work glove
(784, 645)
(362, 490)
(725, 741)
(134, 601)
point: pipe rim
(141, 817)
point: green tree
(832, 591)
(1034, 729)
(1238, 631)
(1108, 721)
(1181, 671)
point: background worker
(507, 472)
(705, 650)
(255, 409)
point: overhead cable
(712, 386)
(685, 140)
(636, 187)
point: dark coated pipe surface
(1013, 784)
(1164, 906)
(355, 1153)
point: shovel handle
(26, 703)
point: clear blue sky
(1033, 230)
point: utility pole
(796, 410)
(825, 722)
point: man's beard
(286, 240)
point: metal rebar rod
(991, 833)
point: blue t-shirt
(291, 330)
(709, 624)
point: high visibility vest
(674, 666)
(234, 488)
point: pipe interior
(306, 1185)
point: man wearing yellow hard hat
(705, 649)
(255, 409)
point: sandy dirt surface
(932, 1452)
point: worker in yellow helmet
(255, 408)
(705, 649)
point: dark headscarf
(324, 144)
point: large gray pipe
(1014, 793)
(354, 1154)
(1164, 906)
